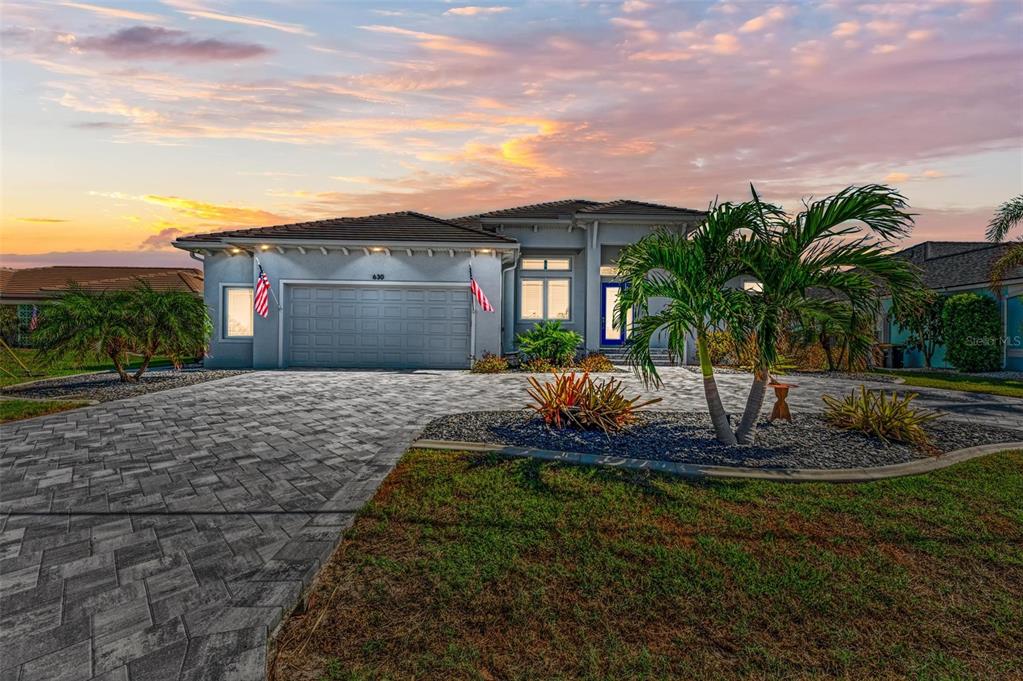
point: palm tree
(821, 248)
(690, 271)
(1009, 215)
(83, 324)
(172, 323)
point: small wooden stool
(781, 407)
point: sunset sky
(127, 124)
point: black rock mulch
(687, 437)
(107, 386)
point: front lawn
(469, 566)
(15, 410)
(948, 380)
(64, 367)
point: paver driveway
(164, 536)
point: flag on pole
(33, 323)
(262, 297)
(477, 292)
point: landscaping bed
(686, 437)
(106, 386)
(471, 566)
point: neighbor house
(950, 267)
(24, 290)
(392, 291)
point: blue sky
(126, 124)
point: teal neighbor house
(950, 267)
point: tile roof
(386, 227)
(549, 210)
(947, 264)
(46, 282)
(630, 207)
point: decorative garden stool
(781, 407)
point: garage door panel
(377, 326)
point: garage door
(382, 327)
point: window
(609, 270)
(545, 298)
(238, 312)
(548, 264)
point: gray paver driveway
(164, 536)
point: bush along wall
(973, 332)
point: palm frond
(1010, 260)
(1008, 216)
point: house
(25, 289)
(392, 290)
(950, 267)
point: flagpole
(472, 319)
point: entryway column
(593, 287)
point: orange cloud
(768, 18)
(113, 12)
(194, 10)
(35, 219)
(215, 212)
(472, 11)
(436, 42)
(846, 29)
(722, 43)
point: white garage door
(378, 327)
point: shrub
(536, 366)
(887, 418)
(972, 330)
(489, 363)
(721, 348)
(549, 341)
(582, 402)
(595, 362)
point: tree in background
(1008, 217)
(925, 323)
(119, 324)
(973, 332)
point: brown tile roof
(47, 282)
(387, 227)
(549, 210)
(630, 207)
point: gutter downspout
(508, 300)
(195, 256)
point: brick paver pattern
(165, 536)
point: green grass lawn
(64, 367)
(14, 410)
(951, 381)
(469, 566)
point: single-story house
(31, 287)
(950, 267)
(392, 290)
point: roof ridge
(539, 204)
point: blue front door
(609, 333)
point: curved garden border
(700, 471)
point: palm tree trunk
(146, 359)
(116, 358)
(718, 415)
(744, 434)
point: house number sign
(378, 277)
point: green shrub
(721, 348)
(549, 341)
(595, 362)
(582, 402)
(489, 363)
(973, 331)
(874, 413)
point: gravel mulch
(855, 376)
(106, 386)
(687, 437)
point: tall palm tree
(690, 271)
(1009, 216)
(172, 323)
(823, 248)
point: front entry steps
(661, 356)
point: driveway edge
(697, 471)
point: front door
(609, 333)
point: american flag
(262, 297)
(481, 297)
(33, 323)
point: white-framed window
(545, 298)
(547, 264)
(238, 312)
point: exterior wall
(1011, 309)
(218, 270)
(264, 350)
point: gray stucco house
(392, 290)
